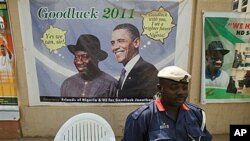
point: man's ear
(136, 42)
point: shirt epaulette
(192, 106)
(138, 112)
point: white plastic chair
(85, 127)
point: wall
(46, 120)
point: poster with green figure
(225, 57)
(9, 109)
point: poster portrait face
(215, 59)
(124, 46)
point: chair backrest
(85, 127)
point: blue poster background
(48, 65)
(50, 79)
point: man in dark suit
(90, 81)
(140, 78)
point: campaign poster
(226, 57)
(61, 36)
(8, 96)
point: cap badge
(184, 79)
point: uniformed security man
(169, 116)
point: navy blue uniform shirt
(151, 123)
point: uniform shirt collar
(161, 108)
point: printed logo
(164, 125)
(239, 132)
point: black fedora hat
(217, 46)
(91, 45)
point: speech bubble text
(54, 38)
(157, 24)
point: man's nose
(115, 46)
(181, 92)
(218, 61)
